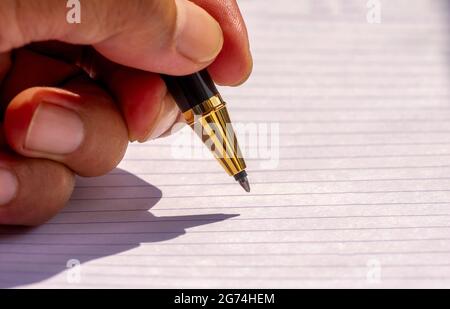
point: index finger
(234, 64)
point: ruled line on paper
(347, 241)
(266, 231)
(349, 180)
(447, 203)
(266, 254)
(443, 143)
(305, 158)
(298, 169)
(267, 194)
(105, 265)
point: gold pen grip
(211, 122)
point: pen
(205, 112)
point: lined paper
(360, 196)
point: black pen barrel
(191, 90)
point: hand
(100, 92)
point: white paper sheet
(360, 196)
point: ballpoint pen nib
(244, 184)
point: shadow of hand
(85, 234)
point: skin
(91, 68)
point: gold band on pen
(215, 103)
(212, 119)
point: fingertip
(164, 120)
(35, 190)
(81, 128)
(174, 37)
(191, 21)
(234, 64)
(24, 110)
(179, 124)
(9, 186)
(232, 75)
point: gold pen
(204, 109)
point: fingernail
(8, 186)
(54, 130)
(199, 36)
(164, 120)
(179, 124)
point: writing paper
(355, 191)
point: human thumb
(171, 36)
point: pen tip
(245, 184)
